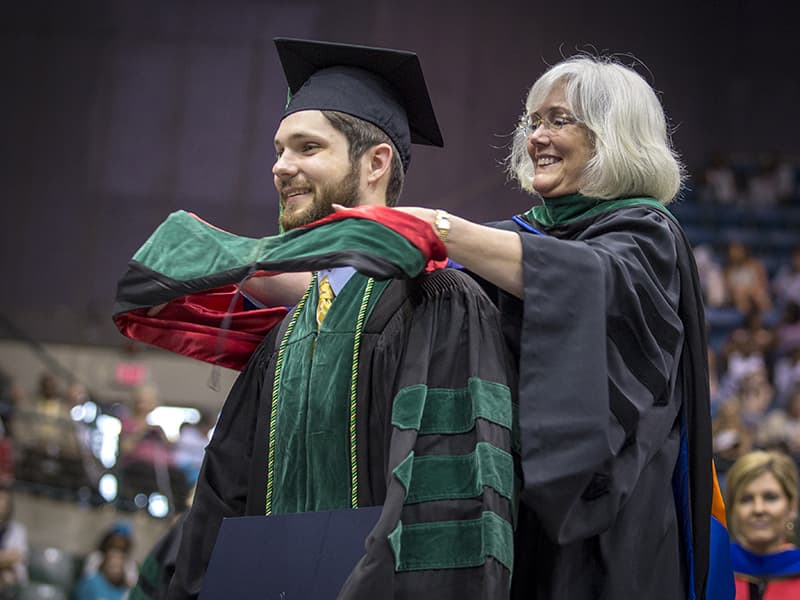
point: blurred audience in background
(11, 394)
(746, 350)
(769, 180)
(718, 182)
(756, 396)
(47, 400)
(786, 284)
(746, 279)
(786, 375)
(771, 183)
(780, 428)
(744, 219)
(191, 445)
(147, 461)
(731, 437)
(51, 414)
(109, 572)
(13, 544)
(9, 397)
(712, 279)
(139, 440)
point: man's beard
(345, 192)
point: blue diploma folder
(302, 556)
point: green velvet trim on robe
(449, 477)
(428, 410)
(312, 443)
(147, 583)
(452, 544)
(565, 209)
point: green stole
(565, 209)
(312, 442)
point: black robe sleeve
(601, 369)
(600, 345)
(441, 388)
(223, 483)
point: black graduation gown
(611, 348)
(436, 332)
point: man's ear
(379, 161)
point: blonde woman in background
(761, 499)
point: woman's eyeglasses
(553, 121)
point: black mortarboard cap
(382, 86)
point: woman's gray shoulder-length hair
(633, 154)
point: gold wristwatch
(441, 223)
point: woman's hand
(493, 254)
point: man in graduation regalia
(370, 392)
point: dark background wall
(115, 113)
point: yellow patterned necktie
(325, 299)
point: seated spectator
(781, 427)
(146, 463)
(786, 283)
(50, 411)
(756, 395)
(10, 399)
(762, 502)
(118, 537)
(746, 279)
(741, 357)
(712, 280)
(764, 185)
(108, 583)
(191, 445)
(731, 438)
(13, 544)
(48, 398)
(140, 441)
(78, 441)
(755, 336)
(772, 183)
(719, 182)
(788, 330)
(7, 470)
(53, 429)
(787, 376)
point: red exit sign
(129, 373)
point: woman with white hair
(604, 311)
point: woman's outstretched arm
(493, 254)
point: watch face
(442, 224)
